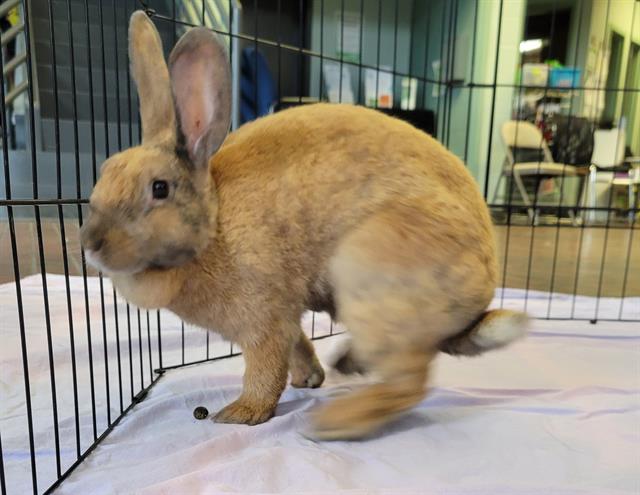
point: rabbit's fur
(324, 207)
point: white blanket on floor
(556, 413)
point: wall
(622, 16)
(394, 52)
(485, 151)
(469, 119)
(286, 26)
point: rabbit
(323, 207)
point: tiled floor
(543, 258)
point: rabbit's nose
(93, 245)
(90, 239)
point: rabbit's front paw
(243, 412)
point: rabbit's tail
(493, 329)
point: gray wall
(395, 50)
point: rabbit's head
(155, 204)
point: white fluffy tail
(492, 330)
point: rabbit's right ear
(151, 75)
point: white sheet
(556, 413)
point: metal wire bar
(182, 341)
(579, 254)
(493, 100)
(105, 350)
(23, 342)
(279, 49)
(79, 208)
(118, 353)
(3, 483)
(439, 114)
(140, 348)
(360, 51)
(424, 78)
(92, 116)
(137, 399)
(16, 273)
(47, 317)
(552, 30)
(43, 267)
(395, 49)
(341, 49)
(510, 197)
(130, 350)
(377, 68)
(72, 342)
(452, 63)
(159, 328)
(605, 245)
(562, 179)
(117, 75)
(128, 71)
(627, 264)
(149, 347)
(255, 87)
(472, 73)
(301, 45)
(104, 80)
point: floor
(555, 413)
(548, 258)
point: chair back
(608, 147)
(524, 142)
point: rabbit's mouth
(95, 259)
(172, 257)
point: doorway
(613, 77)
(630, 106)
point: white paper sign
(380, 82)
(332, 80)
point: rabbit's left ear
(150, 73)
(201, 81)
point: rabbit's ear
(151, 75)
(201, 82)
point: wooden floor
(589, 261)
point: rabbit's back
(313, 172)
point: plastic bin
(566, 77)
(535, 74)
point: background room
(539, 98)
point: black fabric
(521, 155)
(425, 120)
(572, 139)
(619, 168)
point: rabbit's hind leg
(397, 305)
(305, 369)
(364, 411)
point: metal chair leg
(632, 203)
(523, 194)
(497, 189)
(590, 197)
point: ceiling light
(530, 45)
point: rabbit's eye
(160, 189)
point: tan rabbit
(324, 207)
